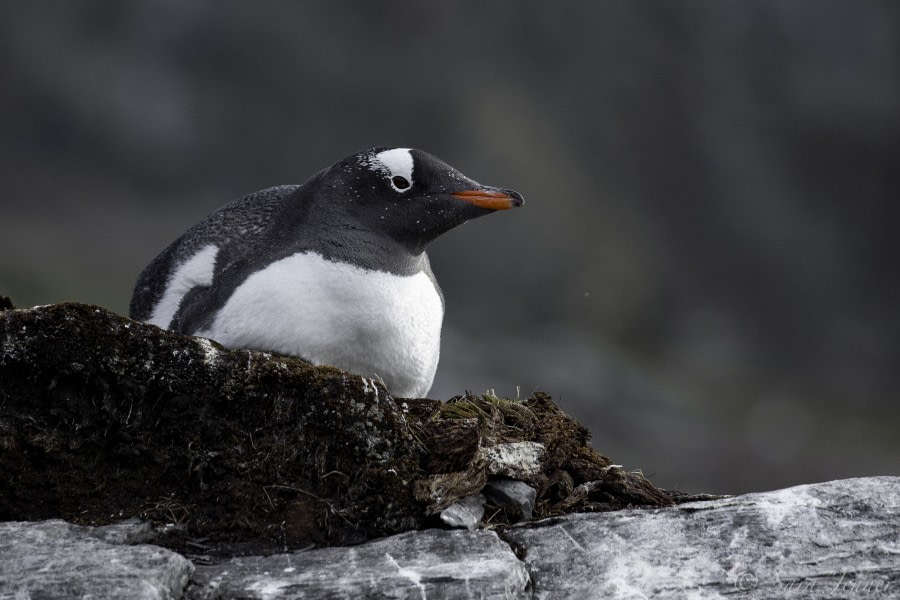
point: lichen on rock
(104, 418)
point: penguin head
(410, 195)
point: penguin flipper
(150, 285)
(165, 288)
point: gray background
(706, 268)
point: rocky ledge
(140, 463)
(831, 540)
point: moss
(103, 418)
(106, 417)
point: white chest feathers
(329, 313)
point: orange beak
(490, 199)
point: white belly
(369, 322)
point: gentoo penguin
(333, 271)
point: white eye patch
(396, 162)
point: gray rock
(54, 559)
(516, 460)
(129, 531)
(832, 540)
(466, 513)
(510, 492)
(838, 540)
(419, 564)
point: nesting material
(103, 418)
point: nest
(103, 418)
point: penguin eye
(400, 182)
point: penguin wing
(179, 288)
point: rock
(832, 540)
(129, 531)
(425, 564)
(519, 460)
(54, 559)
(103, 418)
(516, 494)
(466, 513)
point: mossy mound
(104, 418)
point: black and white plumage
(333, 271)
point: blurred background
(706, 268)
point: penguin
(333, 271)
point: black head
(409, 195)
